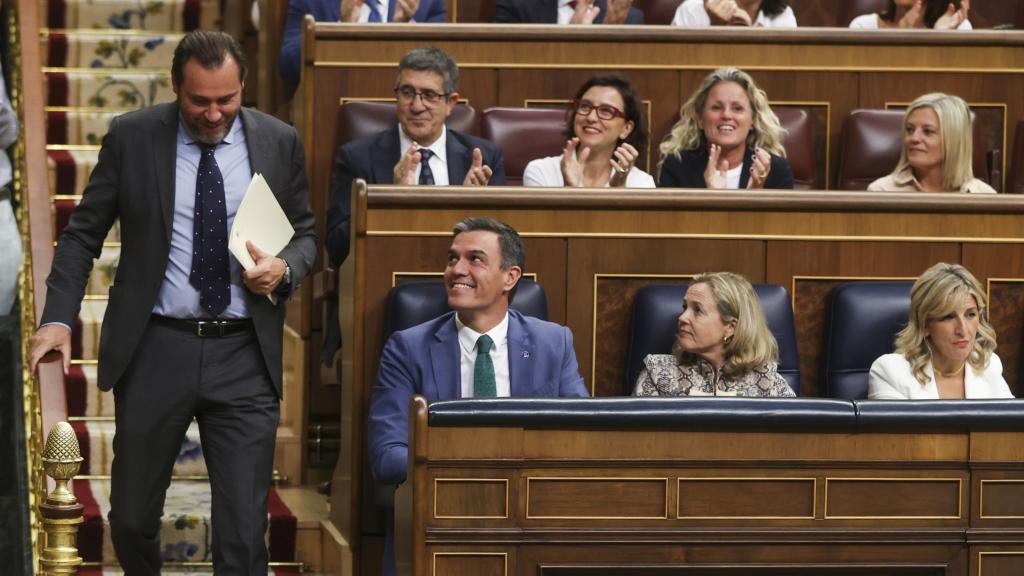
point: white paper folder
(261, 220)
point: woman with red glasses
(605, 134)
(726, 137)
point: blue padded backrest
(416, 302)
(654, 324)
(861, 322)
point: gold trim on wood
(959, 503)
(440, 275)
(72, 147)
(107, 71)
(981, 498)
(814, 496)
(792, 286)
(433, 567)
(593, 317)
(687, 67)
(595, 479)
(456, 480)
(981, 556)
(681, 236)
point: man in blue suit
(481, 349)
(349, 11)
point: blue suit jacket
(289, 65)
(425, 360)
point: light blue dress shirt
(178, 298)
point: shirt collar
(468, 336)
(439, 147)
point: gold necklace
(956, 372)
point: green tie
(483, 372)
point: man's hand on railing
(48, 344)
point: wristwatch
(287, 274)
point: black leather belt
(205, 328)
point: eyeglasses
(604, 111)
(407, 94)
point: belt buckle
(206, 328)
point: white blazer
(891, 379)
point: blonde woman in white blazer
(947, 349)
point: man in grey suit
(187, 333)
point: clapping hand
(914, 18)
(953, 18)
(715, 172)
(572, 164)
(479, 173)
(405, 170)
(618, 10)
(623, 159)
(585, 12)
(726, 12)
(759, 169)
(350, 10)
(405, 10)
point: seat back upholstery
(654, 326)
(658, 11)
(871, 148)
(861, 323)
(359, 119)
(524, 134)
(417, 302)
(798, 140)
(850, 9)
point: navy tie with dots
(426, 174)
(211, 273)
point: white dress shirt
(498, 354)
(870, 22)
(438, 162)
(892, 379)
(565, 11)
(547, 173)
(691, 14)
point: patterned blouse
(664, 376)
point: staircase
(103, 58)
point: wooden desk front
(592, 249)
(542, 499)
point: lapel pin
(526, 353)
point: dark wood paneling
(746, 498)
(469, 564)
(596, 498)
(883, 499)
(825, 263)
(470, 498)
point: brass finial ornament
(61, 512)
(61, 460)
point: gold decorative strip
(470, 480)
(137, 71)
(814, 499)
(433, 568)
(686, 67)
(960, 498)
(982, 555)
(105, 32)
(673, 235)
(981, 500)
(593, 316)
(530, 479)
(792, 287)
(72, 146)
(87, 109)
(440, 275)
(83, 362)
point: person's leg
(153, 407)
(238, 415)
